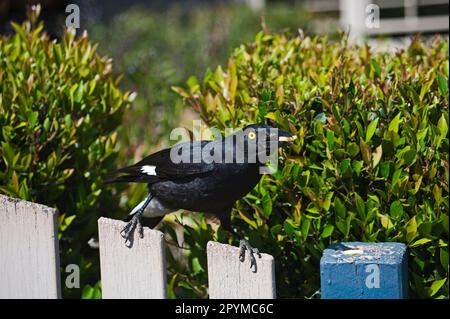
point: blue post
(356, 270)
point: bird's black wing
(160, 166)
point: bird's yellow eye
(252, 135)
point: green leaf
(396, 210)
(374, 198)
(196, 266)
(248, 220)
(420, 242)
(443, 126)
(8, 153)
(360, 205)
(305, 225)
(444, 223)
(365, 151)
(443, 256)
(371, 130)
(66, 222)
(79, 92)
(384, 169)
(357, 165)
(267, 205)
(425, 229)
(351, 88)
(385, 221)
(396, 177)
(375, 66)
(46, 124)
(443, 84)
(394, 124)
(275, 230)
(185, 285)
(192, 83)
(330, 139)
(180, 91)
(425, 89)
(88, 292)
(288, 228)
(353, 149)
(376, 158)
(407, 155)
(68, 120)
(327, 231)
(339, 207)
(32, 118)
(97, 291)
(411, 230)
(345, 164)
(346, 126)
(436, 286)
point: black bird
(201, 176)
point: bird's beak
(285, 137)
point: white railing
(353, 16)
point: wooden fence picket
(136, 272)
(229, 278)
(29, 250)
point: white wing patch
(149, 170)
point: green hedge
(370, 162)
(156, 50)
(59, 108)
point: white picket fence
(354, 13)
(30, 266)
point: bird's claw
(243, 246)
(128, 231)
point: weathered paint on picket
(136, 272)
(230, 278)
(29, 251)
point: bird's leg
(243, 246)
(128, 230)
(225, 222)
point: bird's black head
(264, 134)
(260, 143)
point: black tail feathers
(129, 174)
